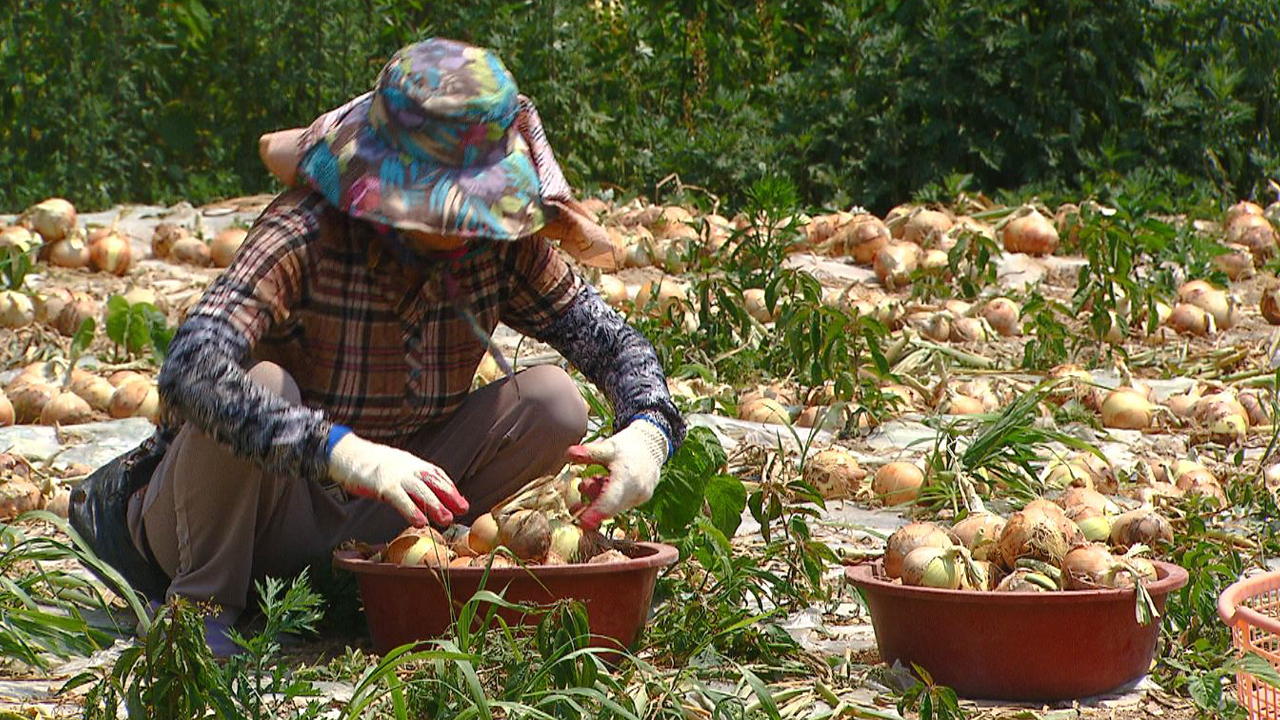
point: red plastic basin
(408, 604)
(1038, 647)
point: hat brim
(361, 174)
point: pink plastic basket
(1251, 607)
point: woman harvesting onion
(320, 390)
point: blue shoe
(216, 636)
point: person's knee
(277, 380)
(553, 398)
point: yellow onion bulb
(1125, 409)
(932, 567)
(898, 483)
(908, 538)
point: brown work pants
(216, 522)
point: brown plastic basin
(1037, 647)
(408, 604)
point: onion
(483, 535)
(1240, 209)
(963, 405)
(111, 253)
(932, 567)
(1207, 487)
(663, 295)
(1032, 534)
(898, 483)
(608, 556)
(81, 308)
(93, 390)
(1183, 405)
(17, 497)
(908, 538)
(1143, 525)
(978, 533)
(165, 235)
(418, 547)
(1093, 525)
(1127, 409)
(6, 411)
(967, 329)
(862, 238)
(834, 473)
(487, 371)
(1026, 581)
(895, 263)
(1079, 497)
(937, 327)
(1254, 408)
(190, 251)
(1269, 304)
(613, 290)
(136, 399)
(668, 220)
(779, 391)
(935, 262)
(121, 378)
(1189, 319)
(54, 219)
(527, 534)
(1254, 232)
(138, 295)
(71, 252)
(1002, 315)
(1032, 234)
(1237, 264)
(764, 410)
(1071, 382)
(1051, 510)
(926, 227)
(29, 399)
(565, 539)
(1215, 302)
(49, 304)
(16, 310)
(754, 300)
(66, 408)
(1090, 567)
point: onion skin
(764, 410)
(17, 497)
(1091, 567)
(1189, 319)
(834, 473)
(1127, 409)
(926, 227)
(1024, 581)
(136, 399)
(1089, 498)
(1032, 234)
(7, 415)
(908, 538)
(190, 251)
(111, 253)
(29, 399)
(54, 219)
(895, 263)
(1002, 315)
(527, 534)
(66, 408)
(862, 238)
(754, 301)
(165, 235)
(16, 310)
(483, 535)
(964, 405)
(898, 483)
(1143, 525)
(94, 390)
(613, 290)
(932, 567)
(1073, 383)
(73, 315)
(1031, 534)
(969, 329)
(50, 303)
(978, 533)
(225, 245)
(69, 253)
(666, 295)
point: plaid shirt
(373, 342)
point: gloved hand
(405, 481)
(634, 457)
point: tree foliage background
(865, 101)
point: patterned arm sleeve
(549, 302)
(203, 379)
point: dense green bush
(865, 101)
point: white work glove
(634, 457)
(403, 480)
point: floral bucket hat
(445, 144)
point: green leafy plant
(16, 260)
(930, 700)
(136, 328)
